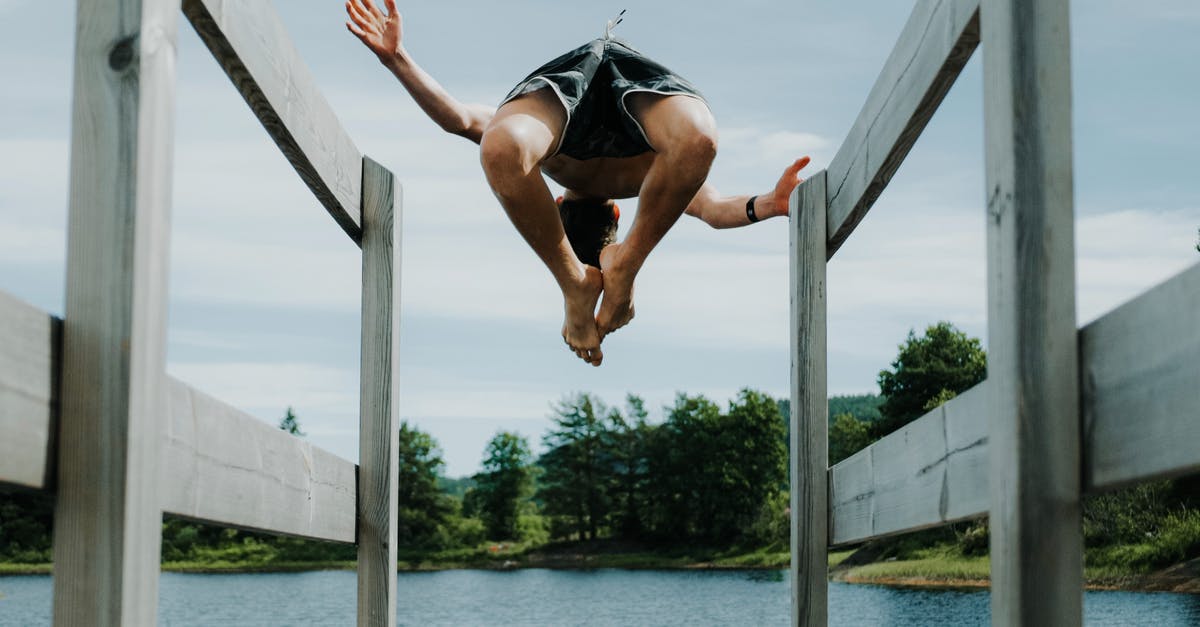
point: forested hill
(864, 407)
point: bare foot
(579, 328)
(616, 310)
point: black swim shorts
(592, 82)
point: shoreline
(1183, 578)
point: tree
(755, 468)
(681, 464)
(505, 483)
(711, 473)
(942, 361)
(290, 424)
(629, 446)
(421, 507)
(847, 436)
(577, 464)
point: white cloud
(1124, 253)
(211, 270)
(325, 398)
(274, 385)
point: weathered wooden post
(1036, 543)
(378, 427)
(809, 460)
(108, 521)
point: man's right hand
(380, 33)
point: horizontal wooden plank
(928, 473)
(1140, 372)
(220, 465)
(250, 42)
(30, 341)
(936, 43)
(224, 466)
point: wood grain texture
(219, 465)
(250, 42)
(1140, 368)
(379, 420)
(108, 520)
(930, 472)
(30, 341)
(809, 461)
(1036, 536)
(933, 48)
(226, 467)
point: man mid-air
(604, 122)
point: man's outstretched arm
(383, 35)
(725, 212)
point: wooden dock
(89, 415)
(1064, 412)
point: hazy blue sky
(265, 288)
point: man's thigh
(668, 119)
(535, 121)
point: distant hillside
(455, 486)
(865, 407)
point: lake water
(547, 597)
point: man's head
(591, 224)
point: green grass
(7, 568)
(221, 566)
(837, 557)
(930, 568)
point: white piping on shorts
(561, 99)
(625, 108)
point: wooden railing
(1064, 412)
(87, 411)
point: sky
(264, 287)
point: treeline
(702, 475)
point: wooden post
(809, 462)
(1036, 543)
(378, 421)
(108, 521)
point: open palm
(379, 32)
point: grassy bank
(940, 566)
(596, 554)
(944, 567)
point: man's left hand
(776, 203)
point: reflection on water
(548, 597)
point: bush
(1177, 539)
(469, 532)
(1125, 516)
(533, 529)
(973, 539)
(772, 525)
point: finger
(796, 166)
(802, 162)
(369, 7)
(360, 17)
(357, 32)
(391, 7)
(597, 356)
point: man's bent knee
(700, 144)
(501, 152)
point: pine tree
(290, 424)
